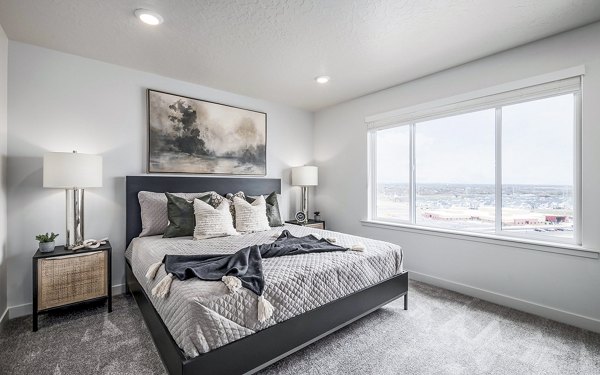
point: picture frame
(195, 136)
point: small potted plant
(46, 242)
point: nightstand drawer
(72, 278)
(315, 225)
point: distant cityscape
(546, 209)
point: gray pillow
(154, 210)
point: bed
(200, 328)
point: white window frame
(561, 83)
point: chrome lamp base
(74, 229)
(305, 202)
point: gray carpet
(441, 333)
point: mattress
(203, 315)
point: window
(504, 164)
(455, 171)
(538, 167)
(393, 173)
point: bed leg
(406, 301)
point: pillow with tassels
(212, 222)
(251, 217)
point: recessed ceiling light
(322, 79)
(149, 17)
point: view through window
(520, 156)
(537, 166)
(455, 172)
(393, 173)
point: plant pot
(47, 247)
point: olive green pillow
(180, 212)
(273, 213)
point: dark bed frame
(259, 350)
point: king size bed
(203, 328)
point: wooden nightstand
(319, 224)
(66, 277)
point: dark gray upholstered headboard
(161, 184)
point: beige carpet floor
(441, 333)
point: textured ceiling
(273, 49)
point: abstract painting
(189, 135)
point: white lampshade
(68, 170)
(305, 176)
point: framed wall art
(187, 135)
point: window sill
(549, 247)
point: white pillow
(251, 217)
(212, 222)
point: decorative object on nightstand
(73, 172)
(318, 224)
(46, 242)
(317, 214)
(304, 176)
(301, 217)
(91, 244)
(63, 278)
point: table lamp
(304, 176)
(73, 172)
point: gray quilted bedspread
(202, 315)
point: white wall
(3, 146)
(61, 102)
(559, 286)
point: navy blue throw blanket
(245, 264)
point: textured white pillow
(212, 222)
(251, 217)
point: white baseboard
(27, 308)
(3, 318)
(566, 317)
(20, 310)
